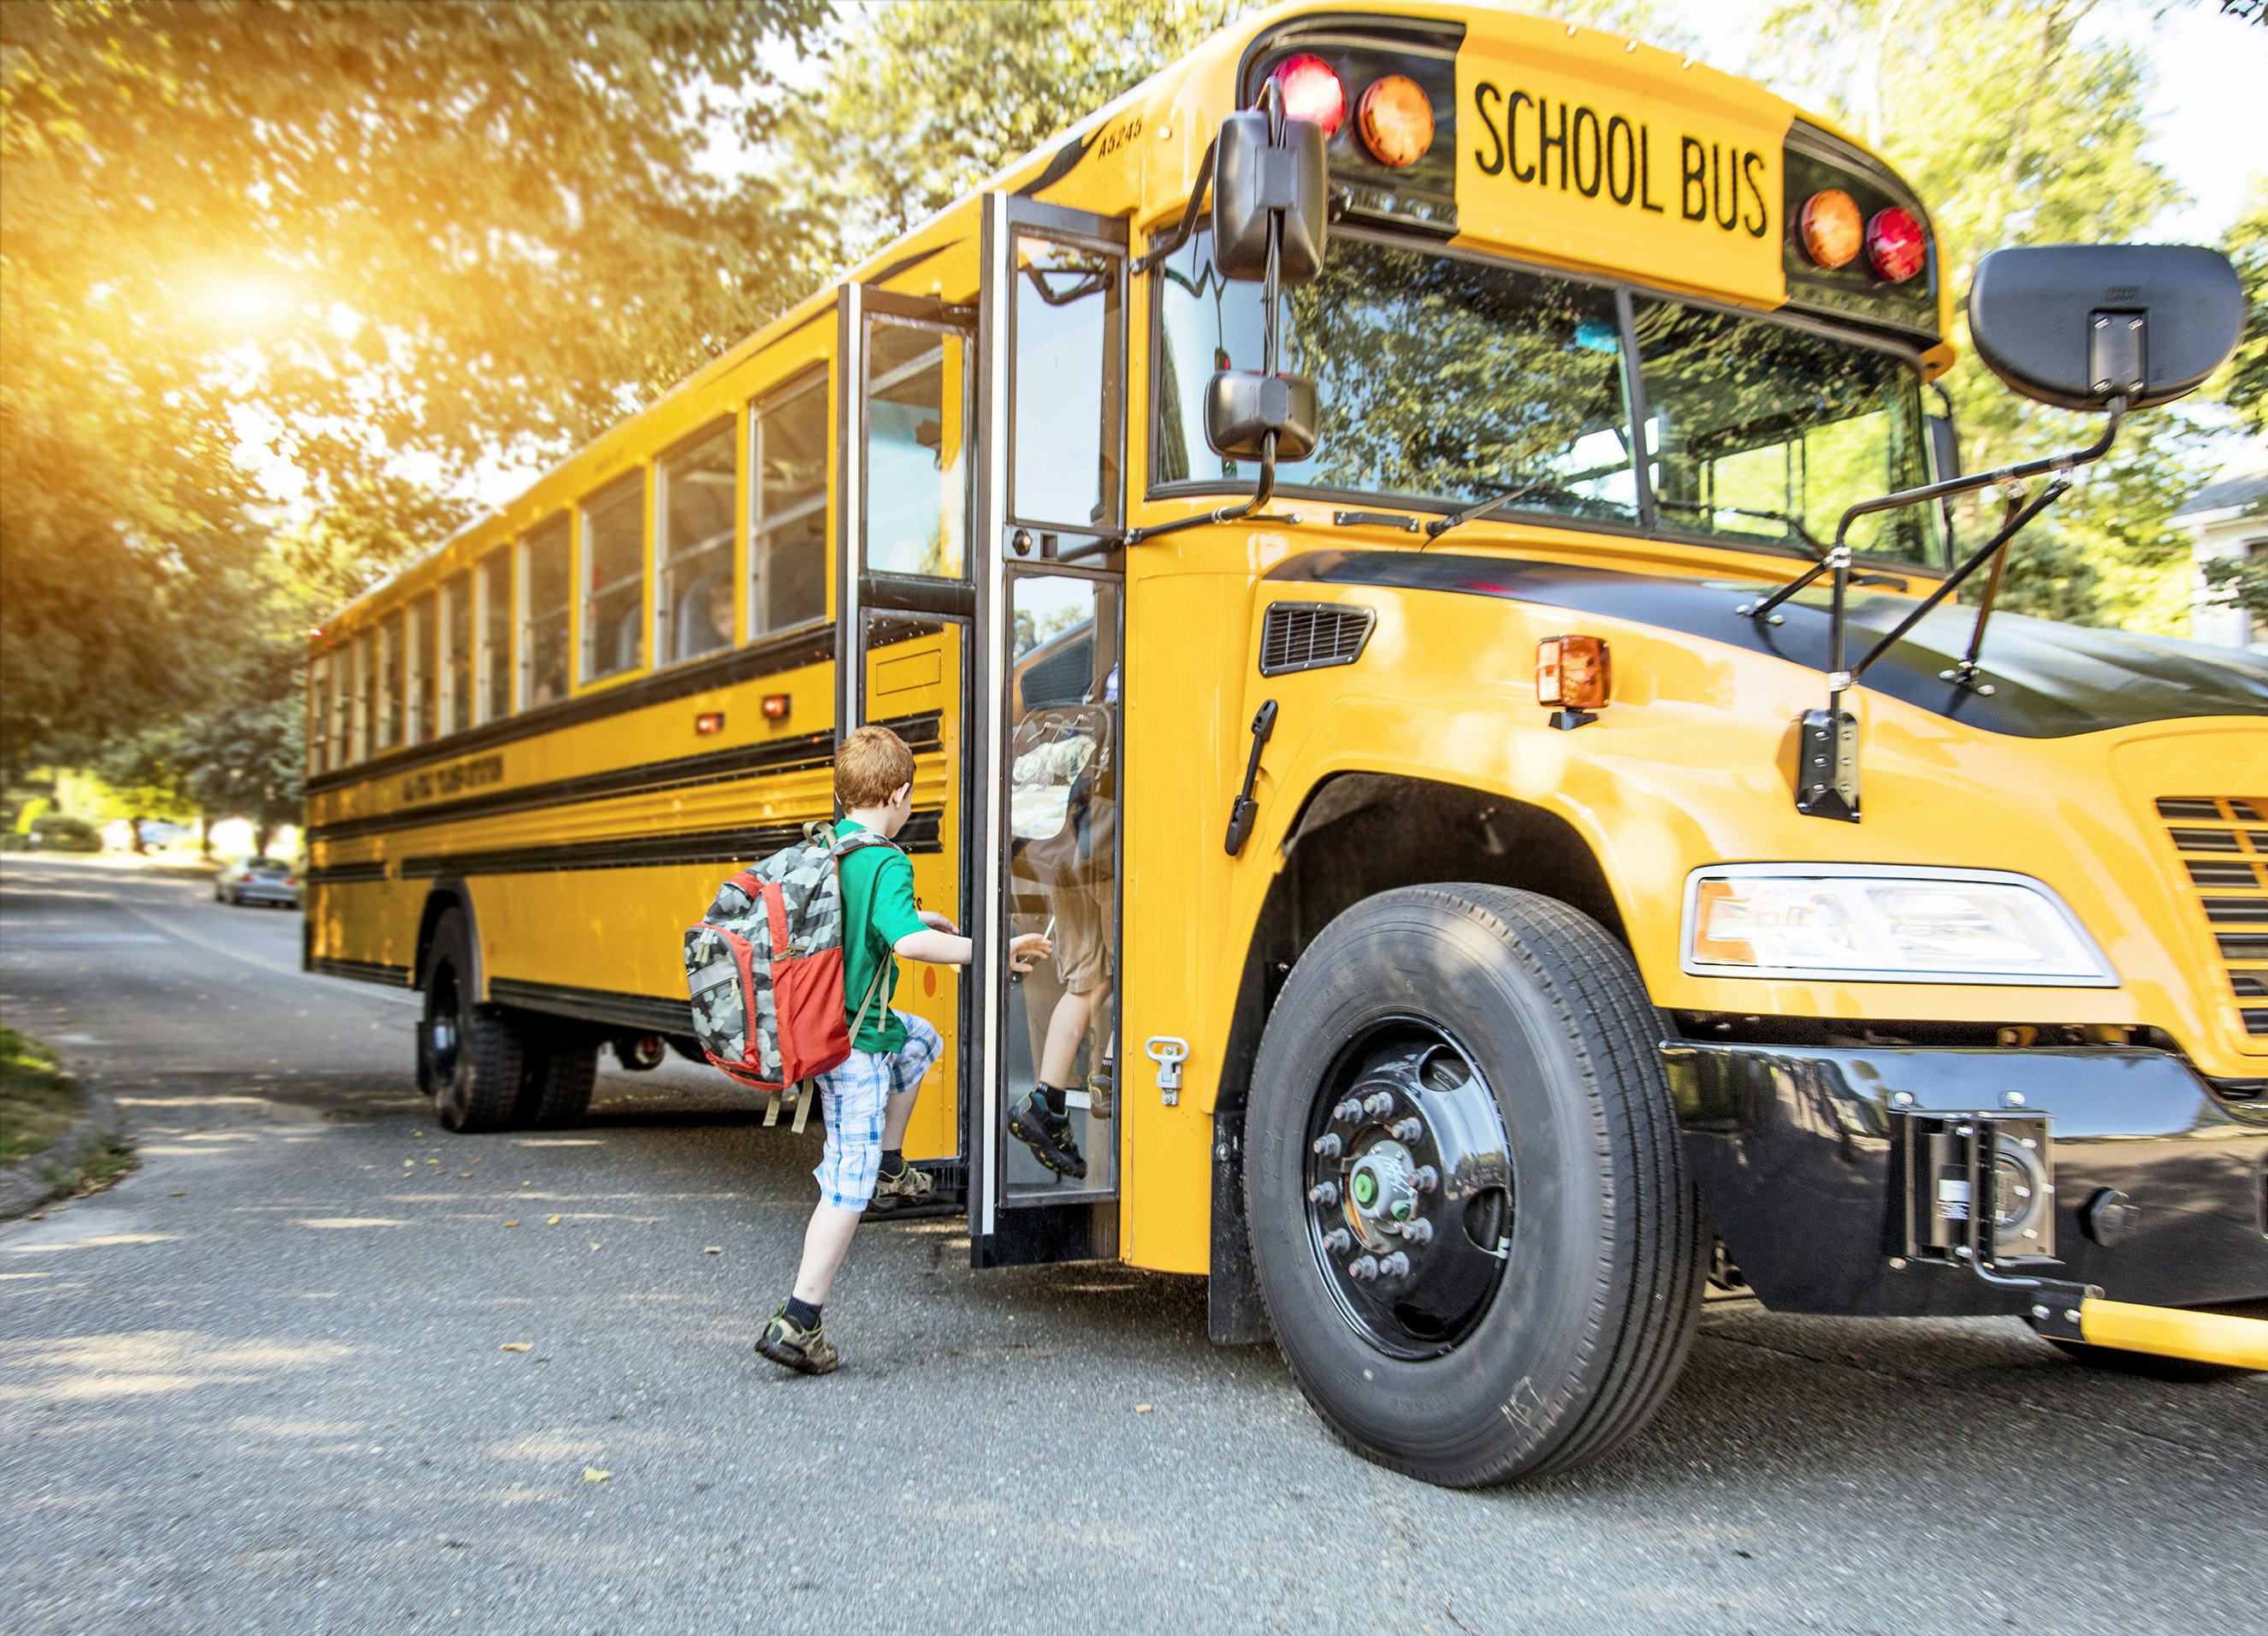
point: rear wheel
(1469, 1212)
(471, 1058)
(562, 1070)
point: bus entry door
(1045, 1147)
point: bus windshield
(1446, 381)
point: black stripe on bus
(922, 834)
(363, 972)
(790, 651)
(341, 875)
(922, 731)
(646, 1014)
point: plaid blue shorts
(853, 1098)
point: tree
(351, 234)
(2244, 388)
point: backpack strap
(807, 1092)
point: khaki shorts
(1085, 920)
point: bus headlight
(1883, 923)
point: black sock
(803, 1313)
(1055, 1095)
(893, 1161)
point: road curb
(49, 1174)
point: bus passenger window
(544, 589)
(364, 672)
(1064, 458)
(1764, 432)
(424, 720)
(389, 683)
(787, 523)
(917, 501)
(457, 653)
(695, 548)
(614, 581)
(495, 656)
(318, 715)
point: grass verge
(38, 1100)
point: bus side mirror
(2078, 325)
(1257, 182)
(1243, 406)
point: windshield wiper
(1440, 525)
(1794, 524)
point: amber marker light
(1397, 120)
(1896, 245)
(1311, 90)
(1718, 906)
(775, 707)
(1830, 227)
(1574, 671)
(709, 721)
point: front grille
(1311, 636)
(2223, 843)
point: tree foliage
(2245, 386)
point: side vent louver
(1312, 635)
(2223, 843)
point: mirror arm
(1174, 240)
(1993, 549)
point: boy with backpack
(868, 1100)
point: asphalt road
(260, 1386)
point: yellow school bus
(1370, 538)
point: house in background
(2228, 517)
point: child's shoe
(1048, 1134)
(910, 1186)
(791, 1346)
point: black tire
(2148, 1366)
(1597, 1238)
(562, 1070)
(471, 1058)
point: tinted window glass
(496, 635)
(787, 524)
(1758, 432)
(545, 590)
(695, 548)
(614, 581)
(1440, 378)
(389, 683)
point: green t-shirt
(877, 909)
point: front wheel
(1469, 1217)
(471, 1058)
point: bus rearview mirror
(2078, 325)
(1256, 180)
(1243, 406)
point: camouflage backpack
(765, 966)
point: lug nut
(1426, 1179)
(1395, 1266)
(1378, 1104)
(1323, 1193)
(1363, 1269)
(1338, 1240)
(1420, 1232)
(1327, 1146)
(1347, 1112)
(1406, 1129)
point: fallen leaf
(527, 1183)
(1141, 1407)
(714, 1250)
(180, 1196)
(432, 1161)
(554, 1221)
(420, 1134)
(595, 1247)
(464, 1175)
(592, 1474)
(514, 1222)
(513, 1346)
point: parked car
(56, 833)
(258, 881)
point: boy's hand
(936, 922)
(1024, 950)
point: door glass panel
(1065, 458)
(916, 463)
(1063, 882)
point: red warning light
(1311, 90)
(1896, 245)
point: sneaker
(791, 1346)
(1048, 1134)
(1099, 1088)
(910, 1186)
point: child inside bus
(869, 1100)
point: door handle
(1242, 815)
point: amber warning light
(709, 721)
(1576, 673)
(775, 707)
